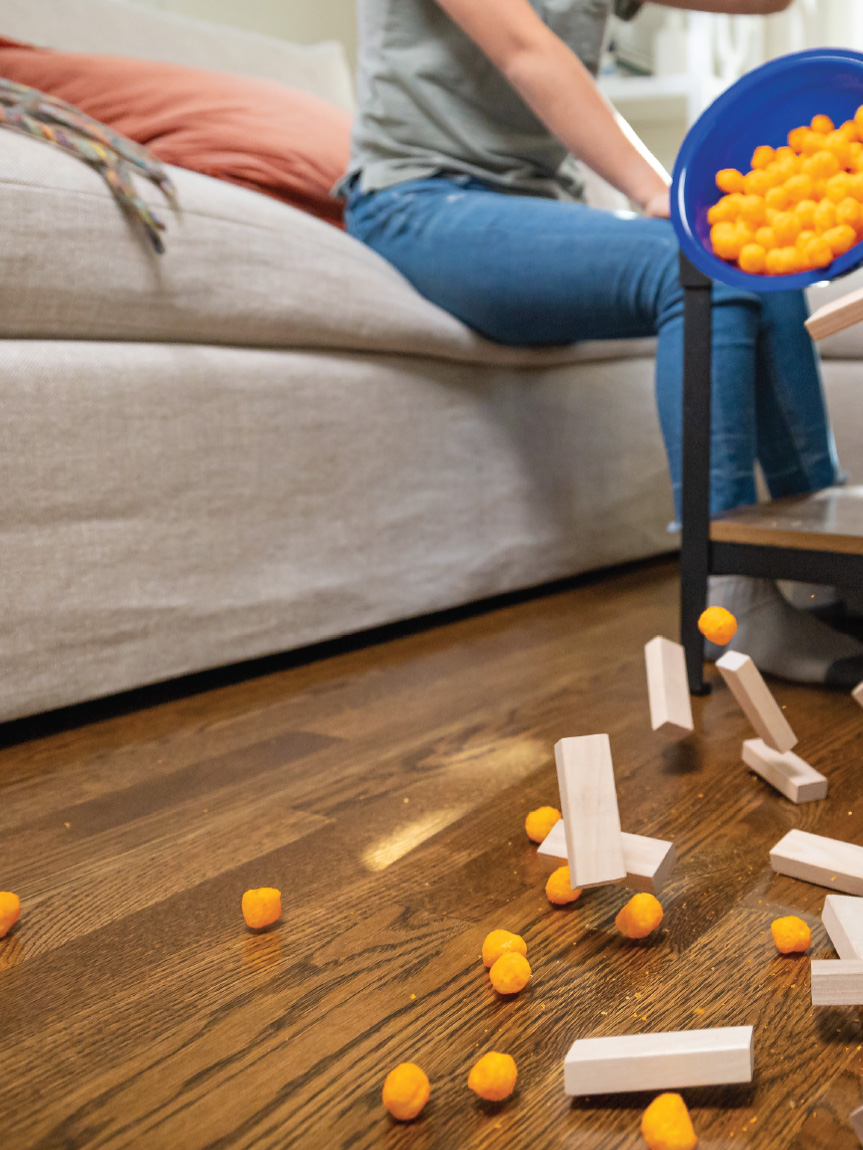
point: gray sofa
(266, 438)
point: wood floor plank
(385, 791)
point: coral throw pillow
(258, 133)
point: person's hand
(658, 207)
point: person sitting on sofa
(459, 177)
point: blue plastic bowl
(761, 108)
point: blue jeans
(526, 271)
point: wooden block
(788, 773)
(823, 861)
(667, 685)
(752, 693)
(648, 862)
(836, 315)
(588, 800)
(843, 920)
(668, 1061)
(837, 982)
(857, 1123)
(857, 695)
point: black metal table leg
(695, 493)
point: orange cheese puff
(10, 911)
(766, 238)
(499, 942)
(717, 625)
(822, 124)
(804, 213)
(538, 823)
(787, 161)
(640, 917)
(666, 1125)
(726, 241)
(785, 261)
(752, 259)
(777, 198)
(775, 262)
(777, 173)
(802, 241)
(799, 187)
(729, 180)
(762, 156)
(855, 185)
(725, 210)
(850, 211)
(510, 974)
(493, 1077)
(856, 153)
(757, 183)
(849, 131)
(262, 907)
(813, 142)
(819, 190)
(753, 210)
(558, 888)
(825, 216)
(786, 227)
(838, 187)
(839, 146)
(858, 119)
(796, 137)
(791, 934)
(819, 253)
(406, 1091)
(841, 239)
(822, 165)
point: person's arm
(730, 7)
(563, 95)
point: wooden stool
(814, 538)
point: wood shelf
(830, 520)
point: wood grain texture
(746, 683)
(788, 773)
(667, 685)
(588, 802)
(136, 1010)
(828, 520)
(837, 982)
(843, 920)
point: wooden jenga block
(825, 862)
(588, 800)
(836, 315)
(788, 773)
(857, 694)
(667, 685)
(837, 982)
(752, 693)
(856, 1120)
(649, 862)
(843, 920)
(667, 1061)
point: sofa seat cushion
(240, 269)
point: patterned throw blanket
(114, 157)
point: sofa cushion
(265, 136)
(240, 269)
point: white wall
(304, 21)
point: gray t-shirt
(430, 101)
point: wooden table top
(828, 520)
(384, 791)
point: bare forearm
(562, 93)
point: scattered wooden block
(648, 862)
(836, 315)
(788, 773)
(857, 694)
(843, 920)
(667, 1061)
(588, 800)
(667, 685)
(823, 861)
(752, 693)
(837, 982)
(857, 1123)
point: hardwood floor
(384, 791)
